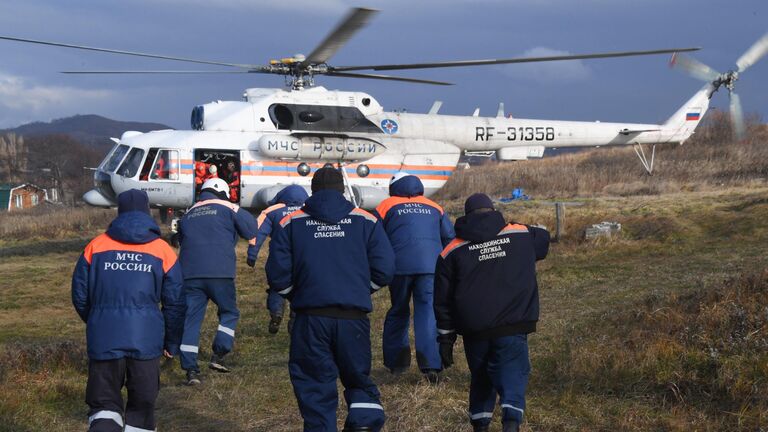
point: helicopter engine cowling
(265, 195)
(369, 197)
(319, 147)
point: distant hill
(91, 130)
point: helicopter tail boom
(684, 121)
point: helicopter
(275, 137)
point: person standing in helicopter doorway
(118, 283)
(486, 291)
(287, 201)
(418, 229)
(208, 235)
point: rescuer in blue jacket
(486, 291)
(208, 235)
(327, 259)
(418, 229)
(118, 283)
(287, 201)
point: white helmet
(216, 184)
(398, 176)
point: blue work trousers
(198, 292)
(275, 303)
(322, 350)
(499, 366)
(396, 344)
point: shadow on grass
(43, 248)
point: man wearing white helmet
(208, 235)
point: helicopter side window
(115, 158)
(281, 116)
(166, 166)
(148, 164)
(132, 162)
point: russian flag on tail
(692, 116)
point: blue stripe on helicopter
(288, 168)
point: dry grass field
(663, 327)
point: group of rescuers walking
(326, 257)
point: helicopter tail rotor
(737, 116)
(693, 67)
(728, 79)
(753, 54)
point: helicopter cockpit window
(115, 158)
(166, 166)
(132, 162)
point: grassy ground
(625, 341)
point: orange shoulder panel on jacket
(163, 251)
(452, 245)
(513, 228)
(284, 221)
(424, 200)
(157, 248)
(266, 211)
(364, 214)
(387, 204)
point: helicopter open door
(223, 164)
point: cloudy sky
(641, 89)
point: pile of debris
(602, 230)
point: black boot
(193, 378)
(510, 426)
(480, 428)
(357, 429)
(274, 323)
(432, 376)
(217, 363)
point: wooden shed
(22, 196)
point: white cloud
(554, 71)
(22, 100)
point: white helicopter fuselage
(272, 132)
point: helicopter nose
(95, 198)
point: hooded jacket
(208, 234)
(485, 280)
(287, 201)
(328, 257)
(118, 282)
(417, 227)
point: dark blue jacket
(417, 227)
(329, 255)
(485, 280)
(118, 282)
(208, 235)
(285, 202)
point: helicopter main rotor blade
(130, 53)
(387, 77)
(507, 61)
(737, 116)
(354, 21)
(753, 54)
(136, 72)
(694, 67)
